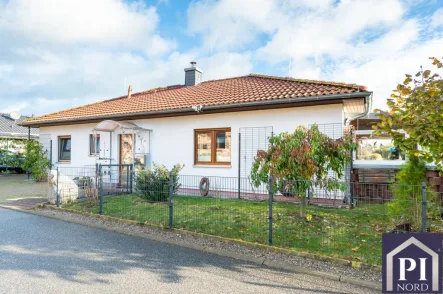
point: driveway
(16, 186)
(42, 255)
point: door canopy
(112, 125)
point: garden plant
(301, 160)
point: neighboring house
(197, 124)
(11, 132)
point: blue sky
(60, 54)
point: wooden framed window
(94, 144)
(212, 146)
(64, 148)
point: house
(13, 135)
(213, 127)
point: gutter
(276, 101)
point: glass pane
(94, 148)
(373, 148)
(223, 153)
(204, 147)
(91, 144)
(65, 149)
(97, 145)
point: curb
(260, 261)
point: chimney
(193, 75)
(129, 91)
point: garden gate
(250, 140)
(115, 178)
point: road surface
(42, 255)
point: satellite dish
(15, 115)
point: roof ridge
(224, 79)
(330, 83)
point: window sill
(63, 162)
(211, 166)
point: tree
(299, 160)
(416, 108)
(6, 143)
(36, 160)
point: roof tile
(253, 87)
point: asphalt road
(42, 255)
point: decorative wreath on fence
(204, 187)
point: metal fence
(211, 205)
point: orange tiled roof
(243, 89)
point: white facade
(172, 138)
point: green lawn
(351, 234)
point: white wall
(79, 144)
(172, 139)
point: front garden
(352, 234)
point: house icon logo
(412, 263)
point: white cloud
(396, 40)
(437, 18)
(99, 22)
(92, 75)
(383, 74)
(59, 54)
(330, 31)
(226, 65)
(231, 24)
(14, 107)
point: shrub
(36, 160)
(301, 160)
(406, 206)
(92, 195)
(153, 184)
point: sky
(58, 54)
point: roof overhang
(236, 107)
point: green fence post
(100, 188)
(57, 193)
(128, 172)
(171, 200)
(239, 167)
(424, 204)
(131, 180)
(271, 196)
